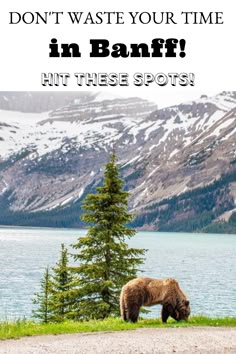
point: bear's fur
(147, 292)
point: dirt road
(140, 341)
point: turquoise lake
(203, 264)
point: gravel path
(140, 341)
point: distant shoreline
(39, 227)
(85, 229)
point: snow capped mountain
(52, 153)
(95, 123)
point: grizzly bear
(147, 292)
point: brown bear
(147, 292)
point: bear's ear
(187, 302)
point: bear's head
(182, 312)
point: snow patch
(153, 171)
(106, 96)
(173, 153)
(222, 126)
(66, 201)
(5, 187)
(131, 161)
(81, 193)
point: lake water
(204, 265)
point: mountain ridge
(50, 159)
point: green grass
(23, 328)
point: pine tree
(106, 262)
(62, 285)
(44, 299)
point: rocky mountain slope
(53, 147)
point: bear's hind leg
(133, 313)
(123, 309)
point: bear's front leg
(164, 313)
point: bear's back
(152, 291)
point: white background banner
(207, 27)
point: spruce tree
(105, 260)
(44, 299)
(62, 286)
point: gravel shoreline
(199, 340)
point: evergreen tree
(62, 285)
(106, 262)
(44, 299)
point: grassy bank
(28, 328)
